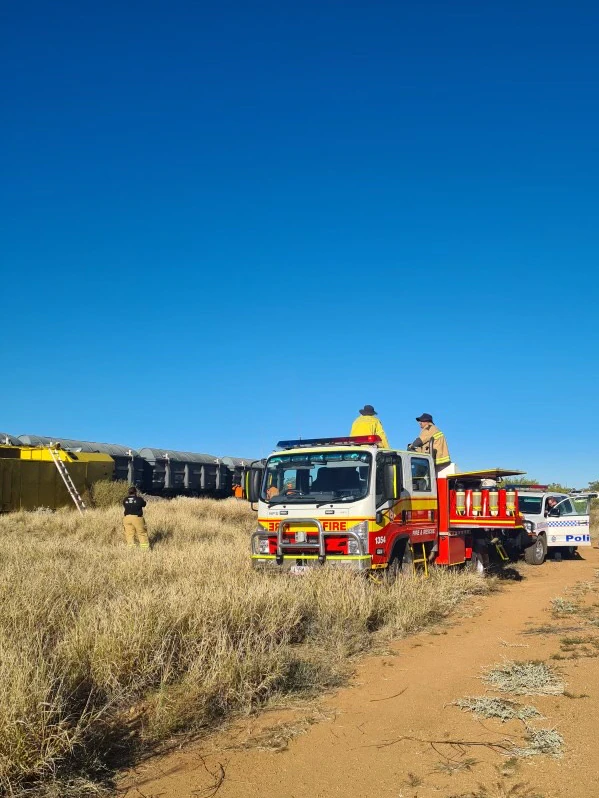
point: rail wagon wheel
(535, 554)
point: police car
(557, 521)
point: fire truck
(348, 503)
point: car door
(422, 514)
(568, 524)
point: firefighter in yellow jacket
(134, 523)
(368, 424)
(428, 433)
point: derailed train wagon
(29, 478)
(171, 473)
(238, 468)
(128, 465)
(161, 472)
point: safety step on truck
(345, 502)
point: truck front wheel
(401, 563)
(535, 554)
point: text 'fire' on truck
(345, 502)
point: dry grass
(501, 790)
(489, 707)
(451, 767)
(105, 652)
(524, 678)
(561, 606)
(541, 742)
(108, 493)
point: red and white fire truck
(346, 502)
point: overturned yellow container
(29, 479)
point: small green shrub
(106, 493)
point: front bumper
(313, 550)
(291, 562)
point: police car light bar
(356, 440)
(524, 488)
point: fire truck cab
(347, 503)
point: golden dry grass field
(499, 701)
(107, 653)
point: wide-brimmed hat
(368, 410)
(425, 417)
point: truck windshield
(320, 477)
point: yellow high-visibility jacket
(421, 444)
(370, 425)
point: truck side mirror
(392, 480)
(253, 481)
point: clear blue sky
(227, 223)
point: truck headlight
(529, 526)
(361, 530)
(261, 543)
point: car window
(380, 478)
(581, 505)
(566, 508)
(421, 475)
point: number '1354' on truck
(347, 503)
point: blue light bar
(355, 440)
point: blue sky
(225, 224)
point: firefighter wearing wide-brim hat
(431, 434)
(134, 523)
(368, 424)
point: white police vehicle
(557, 521)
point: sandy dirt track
(389, 732)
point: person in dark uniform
(134, 523)
(551, 507)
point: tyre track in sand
(387, 733)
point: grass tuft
(524, 678)
(413, 780)
(541, 742)
(106, 493)
(561, 606)
(450, 767)
(500, 790)
(499, 708)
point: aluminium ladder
(66, 478)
